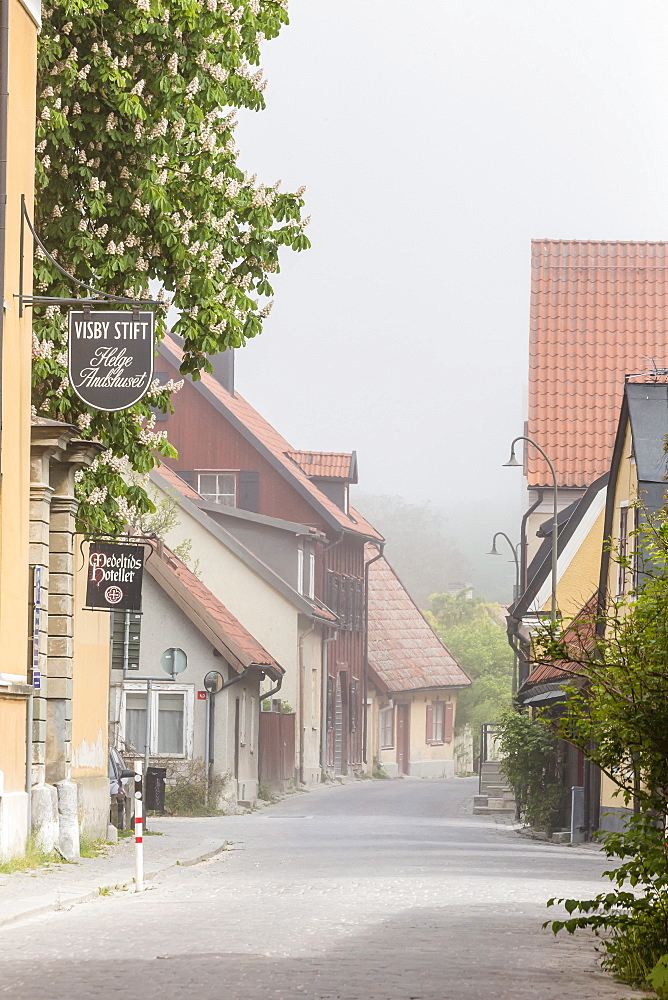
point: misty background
(435, 140)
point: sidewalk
(61, 885)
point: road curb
(41, 908)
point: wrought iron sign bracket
(101, 297)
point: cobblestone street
(374, 890)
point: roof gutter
(245, 672)
(365, 667)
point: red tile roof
(277, 445)
(579, 637)
(325, 464)
(174, 479)
(404, 652)
(599, 311)
(207, 612)
(180, 485)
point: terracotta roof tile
(579, 636)
(404, 651)
(599, 311)
(174, 479)
(326, 464)
(180, 485)
(277, 445)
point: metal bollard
(139, 829)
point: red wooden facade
(207, 440)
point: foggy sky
(436, 139)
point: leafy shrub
(634, 915)
(187, 792)
(531, 762)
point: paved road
(375, 890)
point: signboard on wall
(110, 357)
(114, 576)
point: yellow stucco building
(18, 68)
(413, 683)
(54, 675)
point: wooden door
(403, 738)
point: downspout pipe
(245, 672)
(4, 119)
(365, 678)
(524, 562)
(514, 623)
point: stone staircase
(495, 796)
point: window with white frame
(623, 550)
(311, 575)
(218, 487)
(386, 734)
(171, 714)
(437, 721)
(300, 570)
(439, 718)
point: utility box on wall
(155, 788)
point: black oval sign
(110, 357)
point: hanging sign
(110, 357)
(114, 576)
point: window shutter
(248, 497)
(429, 736)
(118, 640)
(447, 724)
(188, 477)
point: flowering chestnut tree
(138, 180)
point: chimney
(223, 368)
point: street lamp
(495, 552)
(513, 548)
(513, 463)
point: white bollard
(139, 828)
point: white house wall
(164, 626)
(271, 618)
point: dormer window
(218, 487)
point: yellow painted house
(54, 675)
(637, 488)
(601, 523)
(413, 682)
(18, 68)
(581, 532)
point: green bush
(187, 792)
(530, 759)
(616, 713)
(633, 917)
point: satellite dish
(213, 681)
(173, 661)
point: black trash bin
(154, 797)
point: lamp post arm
(513, 549)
